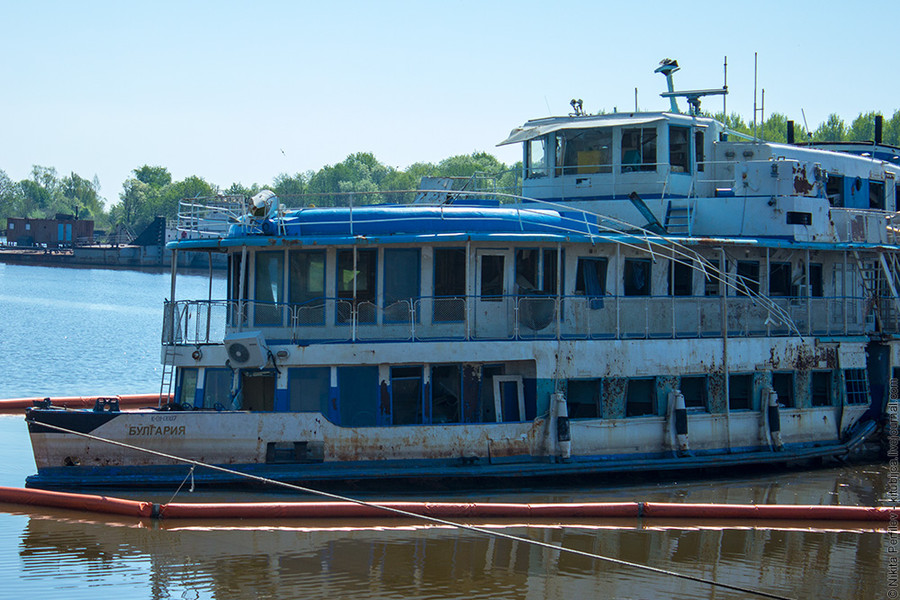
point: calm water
(88, 331)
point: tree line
(151, 192)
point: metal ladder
(168, 375)
(679, 217)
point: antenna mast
(725, 97)
(754, 97)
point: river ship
(658, 294)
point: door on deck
(493, 296)
(258, 391)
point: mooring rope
(405, 513)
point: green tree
(156, 177)
(862, 129)
(832, 130)
(82, 196)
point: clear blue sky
(243, 91)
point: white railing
(328, 320)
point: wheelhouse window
(449, 284)
(681, 278)
(306, 285)
(783, 384)
(699, 151)
(640, 397)
(536, 158)
(637, 277)
(357, 285)
(876, 195)
(584, 151)
(680, 149)
(268, 288)
(217, 388)
(747, 277)
(187, 390)
(639, 149)
(834, 189)
(740, 388)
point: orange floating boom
(442, 510)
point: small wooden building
(59, 232)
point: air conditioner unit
(247, 349)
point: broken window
(446, 394)
(780, 279)
(821, 388)
(679, 149)
(637, 276)
(583, 398)
(747, 277)
(834, 189)
(356, 284)
(695, 391)
(584, 151)
(406, 395)
(740, 388)
(590, 279)
(640, 397)
(876, 195)
(815, 280)
(681, 278)
(535, 271)
(639, 149)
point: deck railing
(327, 320)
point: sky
(244, 91)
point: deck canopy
(535, 129)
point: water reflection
(364, 559)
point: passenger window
(357, 284)
(269, 267)
(640, 397)
(695, 391)
(681, 278)
(637, 277)
(740, 388)
(699, 151)
(446, 394)
(779, 279)
(449, 284)
(406, 395)
(583, 398)
(783, 384)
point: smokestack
(879, 124)
(790, 132)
